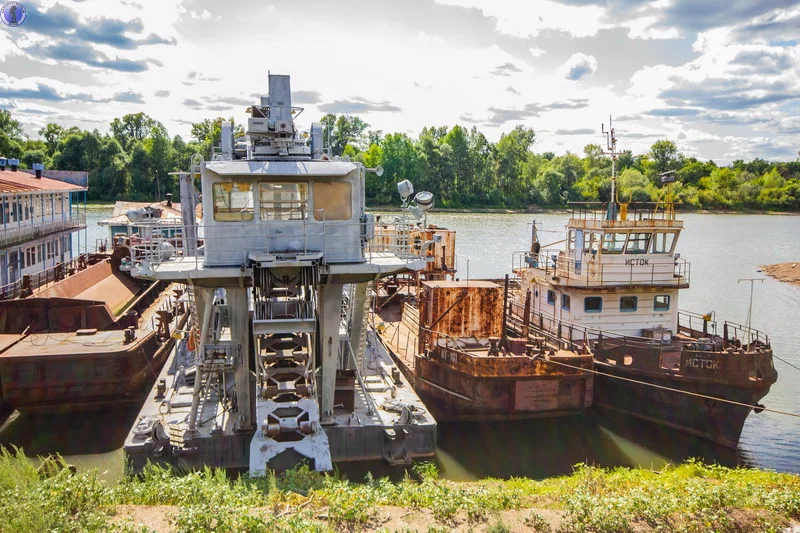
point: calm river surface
(721, 248)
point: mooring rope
(697, 394)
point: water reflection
(551, 447)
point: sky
(721, 78)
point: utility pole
(748, 325)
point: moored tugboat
(615, 287)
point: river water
(721, 248)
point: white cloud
(527, 19)
(536, 52)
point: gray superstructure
(281, 363)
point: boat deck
(369, 432)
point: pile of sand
(788, 272)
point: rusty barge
(450, 339)
(93, 340)
(614, 288)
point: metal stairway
(288, 426)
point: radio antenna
(611, 149)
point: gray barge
(280, 363)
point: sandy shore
(788, 272)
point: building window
(628, 304)
(637, 243)
(283, 201)
(333, 200)
(233, 201)
(614, 243)
(662, 243)
(551, 297)
(565, 302)
(592, 304)
(661, 303)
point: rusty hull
(64, 348)
(460, 377)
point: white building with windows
(38, 217)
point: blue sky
(720, 78)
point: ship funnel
(38, 168)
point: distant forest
(459, 165)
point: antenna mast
(611, 149)
(750, 308)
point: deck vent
(3, 162)
(14, 164)
(38, 168)
(168, 196)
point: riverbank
(691, 497)
(786, 272)
(556, 210)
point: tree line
(133, 161)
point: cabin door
(578, 250)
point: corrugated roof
(23, 182)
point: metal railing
(31, 282)
(556, 263)
(332, 239)
(578, 337)
(14, 233)
(634, 211)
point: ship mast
(611, 149)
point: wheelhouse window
(571, 239)
(637, 243)
(283, 201)
(591, 242)
(233, 201)
(662, 243)
(333, 200)
(661, 303)
(614, 243)
(592, 304)
(551, 297)
(628, 304)
(565, 302)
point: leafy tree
(665, 156)
(133, 127)
(339, 131)
(34, 156)
(52, 134)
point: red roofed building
(38, 216)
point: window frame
(323, 217)
(635, 304)
(654, 242)
(302, 188)
(631, 240)
(614, 251)
(551, 297)
(662, 309)
(246, 215)
(585, 301)
(566, 302)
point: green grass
(690, 497)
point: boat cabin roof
(303, 168)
